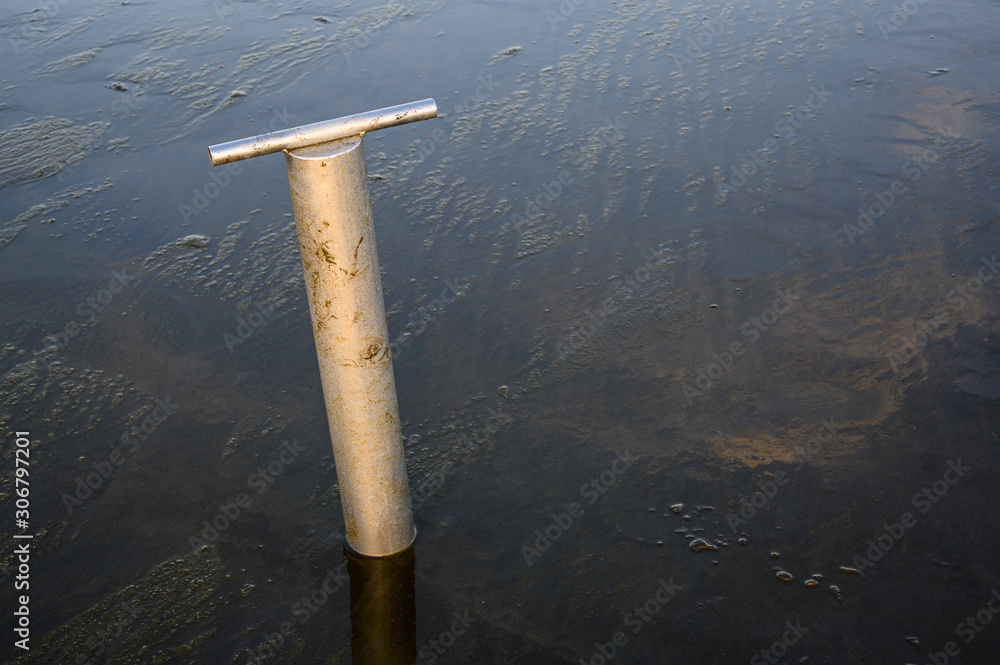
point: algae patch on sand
(37, 149)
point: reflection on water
(383, 609)
(749, 247)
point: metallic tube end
(350, 547)
(218, 154)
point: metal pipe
(333, 216)
(321, 132)
(328, 183)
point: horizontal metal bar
(321, 132)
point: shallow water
(632, 306)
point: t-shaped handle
(328, 182)
(321, 132)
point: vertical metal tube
(333, 217)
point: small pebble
(774, 555)
(849, 571)
(743, 541)
(713, 306)
(784, 576)
(811, 583)
(677, 508)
